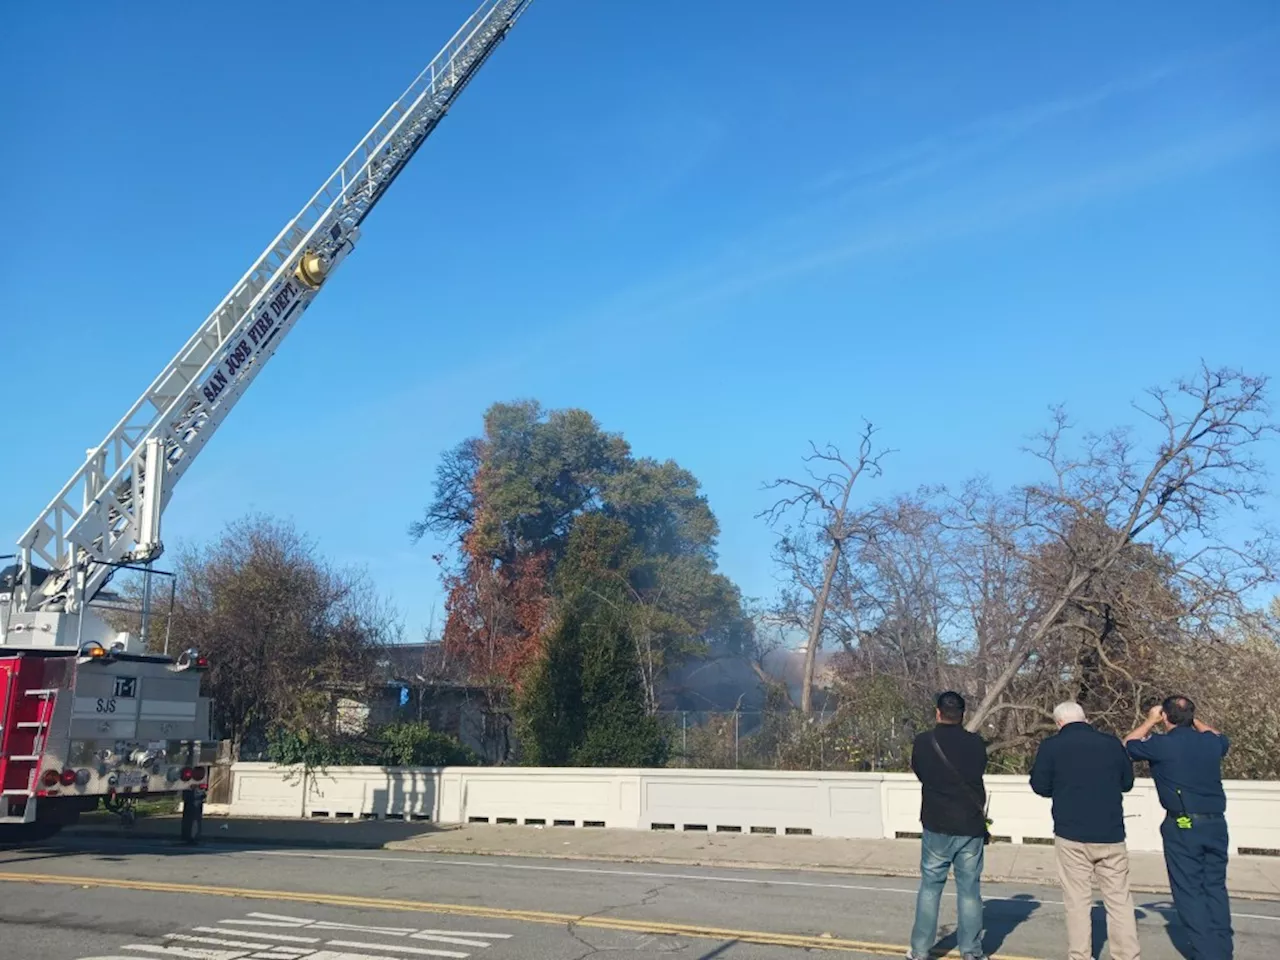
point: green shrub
(393, 745)
(417, 745)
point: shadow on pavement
(14, 854)
(718, 951)
(218, 831)
(161, 836)
(1172, 926)
(1000, 917)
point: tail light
(50, 778)
(68, 777)
(198, 774)
(187, 774)
(190, 659)
(82, 777)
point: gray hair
(1068, 712)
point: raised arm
(1155, 716)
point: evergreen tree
(583, 703)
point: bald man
(1086, 773)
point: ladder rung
(17, 793)
(32, 724)
(31, 758)
(39, 693)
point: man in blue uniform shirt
(1186, 764)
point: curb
(711, 862)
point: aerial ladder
(88, 713)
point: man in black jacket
(1087, 773)
(949, 762)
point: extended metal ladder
(108, 512)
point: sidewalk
(1247, 877)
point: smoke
(721, 681)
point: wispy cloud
(990, 134)
(682, 298)
(817, 238)
(987, 136)
(960, 214)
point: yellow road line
(489, 913)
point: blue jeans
(939, 854)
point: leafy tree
(509, 500)
(584, 704)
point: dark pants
(1197, 863)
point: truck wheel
(192, 815)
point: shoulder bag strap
(937, 748)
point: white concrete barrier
(403, 793)
(871, 805)
(265, 790)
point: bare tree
(811, 552)
(1108, 500)
(287, 633)
(900, 596)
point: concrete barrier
(863, 805)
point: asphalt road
(115, 899)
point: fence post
(735, 739)
(684, 739)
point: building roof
(421, 663)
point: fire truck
(92, 715)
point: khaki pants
(1079, 865)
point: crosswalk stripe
(188, 953)
(360, 928)
(217, 941)
(258, 934)
(300, 921)
(211, 942)
(446, 938)
(464, 933)
(395, 948)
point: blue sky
(724, 229)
